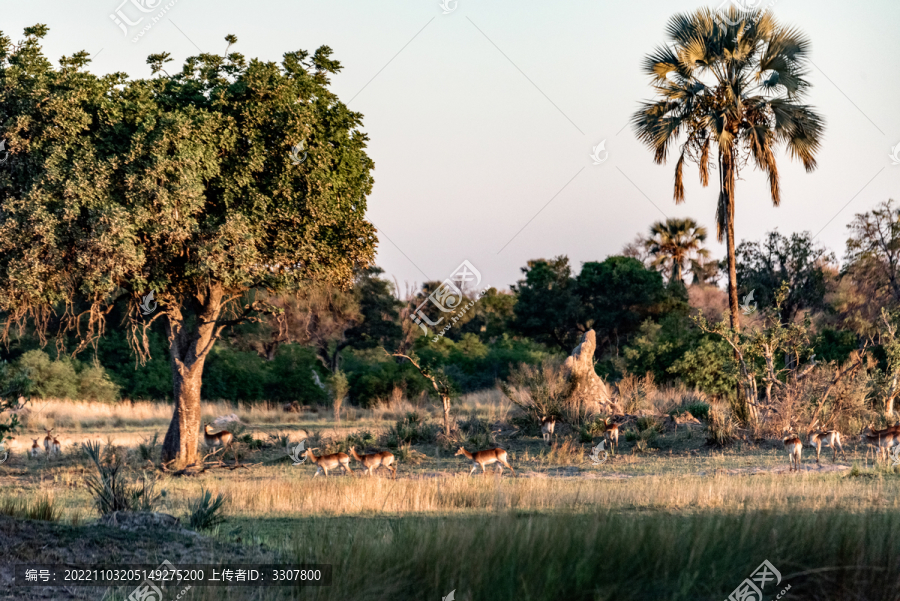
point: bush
(699, 409)
(543, 390)
(720, 426)
(109, 487)
(206, 513)
(412, 429)
(94, 384)
(50, 379)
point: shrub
(699, 409)
(50, 379)
(412, 429)
(147, 447)
(720, 426)
(109, 487)
(206, 513)
(94, 384)
(542, 390)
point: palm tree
(734, 81)
(675, 242)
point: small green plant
(699, 409)
(411, 429)
(649, 423)
(109, 485)
(360, 439)
(147, 447)
(206, 513)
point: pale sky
(482, 120)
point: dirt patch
(26, 541)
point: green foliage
(710, 367)
(835, 345)
(237, 375)
(110, 487)
(14, 383)
(66, 378)
(546, 307)
(43, 508)
(698, 409)
(147, 447)
(412, 429)
(762, 267)
(205, 513)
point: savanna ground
(670, 517)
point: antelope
(612, 434)
(793, 446)
(828, 438)
(55, 446)
(373, 461)
(483, 458)
(548, 424)
(223, 438)
(35, 448)
(882, 439)
(330, 462)
(48, 440)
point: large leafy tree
(730, 89)
(181, 184)
(546, 308)
(675, 244)
(762, 267)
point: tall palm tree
(734, 81)
(675, 242)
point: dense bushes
(66, 378)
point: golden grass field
(559, 490)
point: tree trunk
(188, 350)
(183, 435)
(728, 192)
(446, 402)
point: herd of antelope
(882, 440)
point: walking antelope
(35, 448)
(483, 458)
(883, 440)
(48, 440)
(373, 461)
(223, 438)
(793, 446)
(612, 434)
(828, 438)
(548, 424)
(330, 462)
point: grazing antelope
(828, 438)
(373, 461)
(483, 458)
(329, 462)
(48, 440)
(35, 448)
(55, 446)
(612, 435)
(548, 424)
(883, 440)
(793, 446)
(223, 438)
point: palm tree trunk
(726, 162)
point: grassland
(675, 520)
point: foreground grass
(589, 557)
